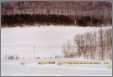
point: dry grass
(61, 61)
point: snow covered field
(15, 69)
(44, 41)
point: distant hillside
(56, 12)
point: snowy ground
(10, 69)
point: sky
(41, 41)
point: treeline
(102, 8)
(91, 45)
(21, 20)
(93, 20)
(27, 19)
(81, 13)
